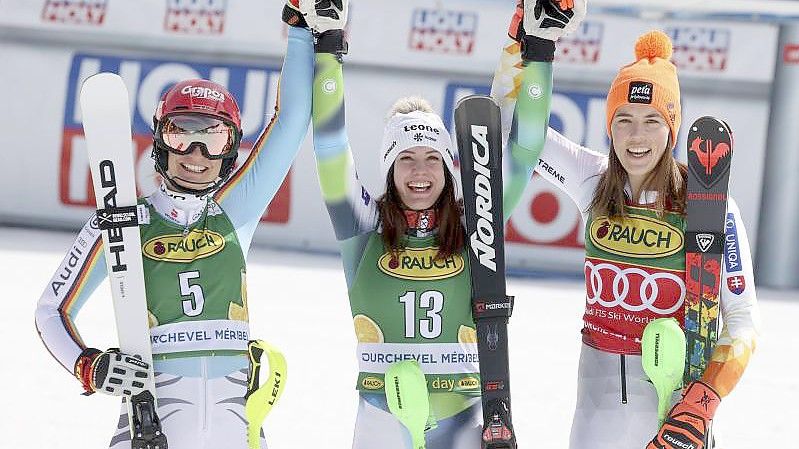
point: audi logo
(649, 290)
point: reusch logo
(640, 92)
(677, 442)
(482, 240)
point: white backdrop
(441, 50)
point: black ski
(709, 157)
(479, 138)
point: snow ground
(298, 302)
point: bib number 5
(192, 306)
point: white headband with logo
(416, 129)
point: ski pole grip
(492, 307)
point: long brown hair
(668, 179)
(451, 235)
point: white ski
(106, 123)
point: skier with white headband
(405, 262)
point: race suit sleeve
(79, 274)
(352, 210)
(523, 90)
(739, 311)
(246, 195)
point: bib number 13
(429, 326)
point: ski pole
(261, 398)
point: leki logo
(711, 154)
(177, 248)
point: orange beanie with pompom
(651, 79)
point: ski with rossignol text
(479, 137)
(710, 145)
(105, 109)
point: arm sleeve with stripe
(352, 209)
(79, 274)
(247, 194)
(523, 90)
(739, 311)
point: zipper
(623, 379)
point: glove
(111, 372)
(292, 14)
(546, 19)
(317, 15)
(688, 422)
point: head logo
(75, 12)
(420, 264)
(372, 383)
(177, 248)
(195, 16)
(582, 45)
(700, 49)
(442, 31)
(636, 236)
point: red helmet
(197, 96)
(201, 96)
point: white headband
(416, 129)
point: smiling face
(193, 170)
(640, 136)
(419, 177)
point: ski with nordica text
(710, 145)
(105, 109)
(479, 138)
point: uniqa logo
(420, 264)
(638, 237)
(177, 248)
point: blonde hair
(406, 105)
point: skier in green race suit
(196, 230)
(404, 261)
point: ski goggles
(180, 134)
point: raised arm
(247, 194)
(523, 88)
(352, 209)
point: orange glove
(688, 422)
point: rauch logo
(420, 263)
(177, 248)
(637, 237)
